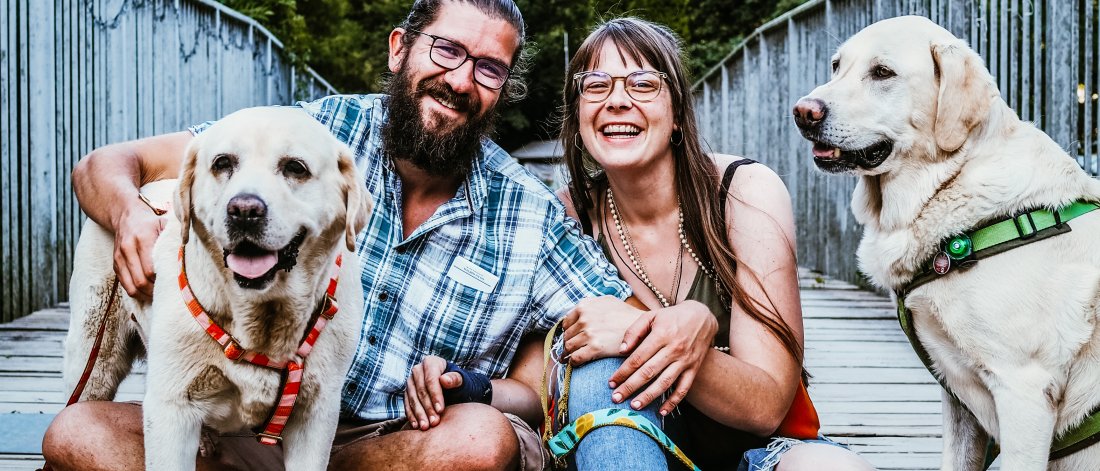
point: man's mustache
(439, 90)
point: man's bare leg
(101, 435)
(468, 437)
(94, 436)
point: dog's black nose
(246, 207)
(808, 112)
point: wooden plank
(20, 462)
(134, 384)
(53, 397)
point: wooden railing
(77, 74)
(1043, 54)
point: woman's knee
(588, 386)
(821, 457)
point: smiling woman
(719, 335)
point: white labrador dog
(915, 114)
(267, 199)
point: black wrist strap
(476, 387)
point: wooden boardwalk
(869, 387)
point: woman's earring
(672, 139)
(577, 144)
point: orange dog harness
(291, 368)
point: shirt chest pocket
(456, 324)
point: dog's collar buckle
(268, 438)
(329, 307)
(233, 349)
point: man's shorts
(242, 451)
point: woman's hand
(595, 328)
(673, 344)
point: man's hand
(424, 392)
(595, 328)
(106, 183)
(674, 343)
(136, 232)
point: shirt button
(383, 296)
(401, 250)
(351, 388)
(372, 339)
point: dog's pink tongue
(251, 267)
(822, 151)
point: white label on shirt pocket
(467, 273)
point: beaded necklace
(636, 260)
(635, 257)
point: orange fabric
(801, 421)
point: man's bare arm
(106, 183)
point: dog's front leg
(171, 434)
(964, 440)
(1025, 417)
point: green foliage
(346, 41)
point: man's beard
(439, 153)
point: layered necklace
(636, 258)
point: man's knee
(483, 436)
(65, 431)
(78, 429)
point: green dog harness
(965, 250)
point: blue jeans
(611, 447)
(615, 447)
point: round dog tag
(942, 263)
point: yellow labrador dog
(914, 113)
(266, 201)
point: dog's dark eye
(294, 168)
(882, 72)
(223, 163)
(836, 65)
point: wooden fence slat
(78, 74)
(7, 136)
(21, 170)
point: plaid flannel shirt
(497, 262)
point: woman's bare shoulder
(753, 184)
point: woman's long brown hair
(697, 180)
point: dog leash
(964, 251)
(93, 355)
(291, 369)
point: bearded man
(467, 262)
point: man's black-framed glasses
(641, 85)
(490, 73)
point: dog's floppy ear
(186, 179)
(356, 199)
(966, 91)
